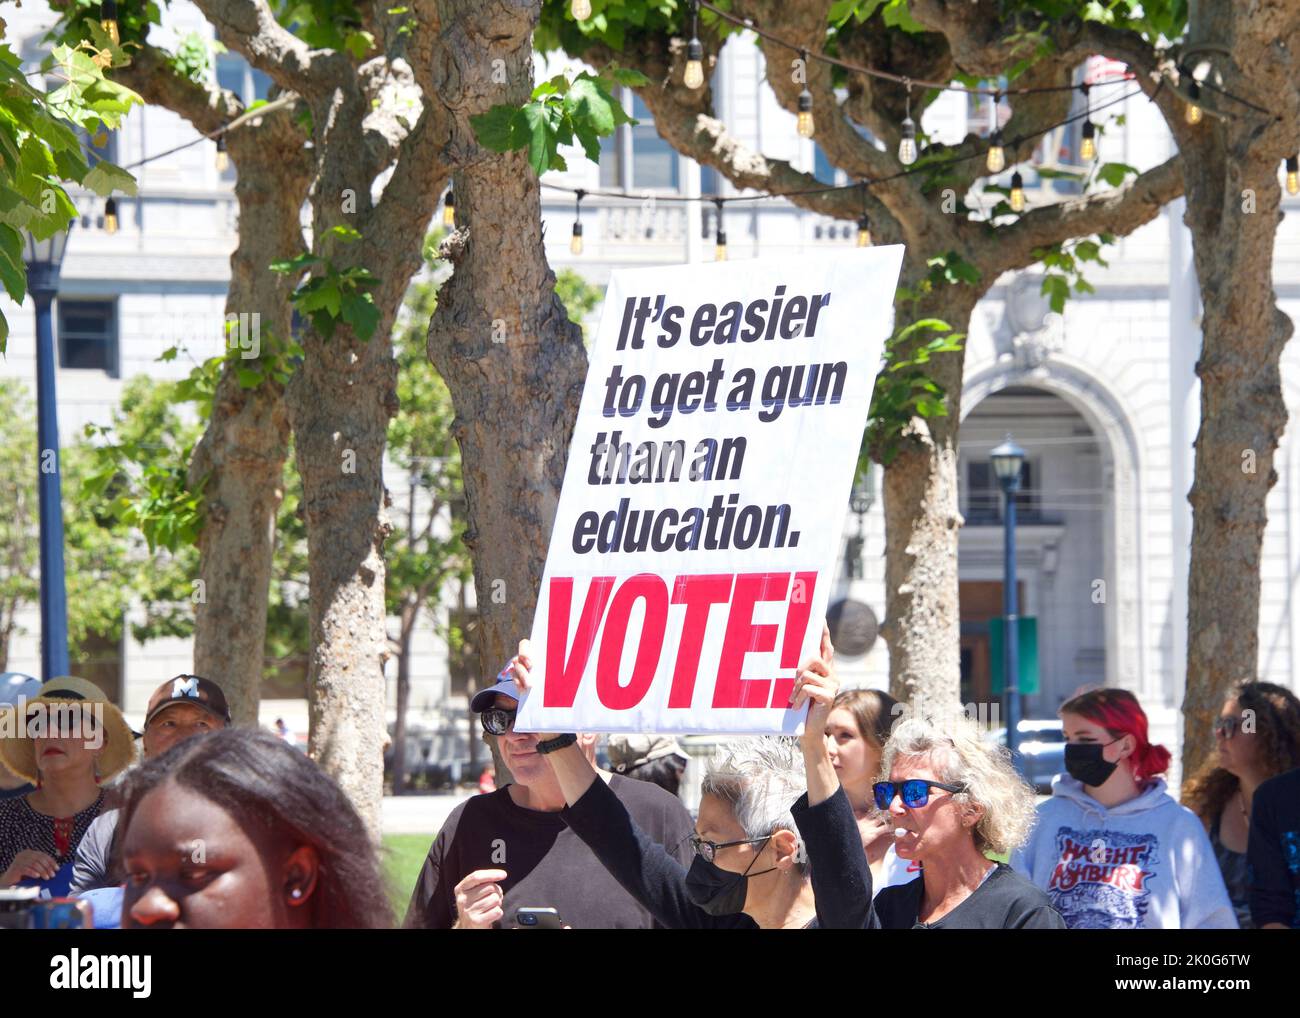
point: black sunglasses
(708, 850)
(498, 720)
(1227, 727)
(915, 793)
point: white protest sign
(700, 523)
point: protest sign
(700, 523)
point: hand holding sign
(817, 685)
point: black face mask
(719, 891)
(1084, 762)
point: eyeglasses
(708, 850)
(498, 720)
(1227, 727)
(915, 793)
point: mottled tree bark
(240, 459)
(1233, 197)
(513, 361)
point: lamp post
(1008, 458)
(861, 500)
(44, 260)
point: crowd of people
(868, 820)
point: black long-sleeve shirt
(840, 875)
(1274, 851)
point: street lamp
(860, 501)
(1008, 458)
(44, 260)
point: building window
(235, 74)
(984, 495)
(651, 163)
(88, 335)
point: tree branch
(250, 27)
(1119, 211)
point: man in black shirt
(1274, 853)
(510, 849)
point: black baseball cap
(193, 689)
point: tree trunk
(243, 451)
(922, 522)
(513, 362)
(1233, 197)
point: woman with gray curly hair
(953, 800)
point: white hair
(759, 779)
(960, 756)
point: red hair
(1118, 711)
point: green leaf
(1057, 289)
(360, 312)
(497, 129)
(1114, 174)
(542, 124)
(248, 378)
(358, 44)
(105, 178)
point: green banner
(1027, 629)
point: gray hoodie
(1146, 863)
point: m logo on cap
(186, 685)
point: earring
(296, 893)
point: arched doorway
(1065, 546)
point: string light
(1017, 192)
(694, 76)
(997, 160)
(108, 20)
(110, 216)
(1088, 147)
(805, 120)
(580, 9)
(223, 157)
(575, 242)
(449, 211)
(907, 146)
(1293, 174)
(864, 221)
(1193, 112)
(720, 251)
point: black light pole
(1008, 458)
(44, 260)
(860, 501)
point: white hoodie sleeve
(1203, 901)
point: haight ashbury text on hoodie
(1145, 864)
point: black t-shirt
(548, 865)
(1005, 901)
(1274, 851)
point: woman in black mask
(1112, 848)
(759, 861)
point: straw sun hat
(18, 751)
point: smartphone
(538, 919)
(61, 914)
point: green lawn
(403, 856)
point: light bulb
(449, 211)
(1088, 147)
(907, 146)
(805, 118)
(575, 242)
(720, 252)
(1017, 192)
(694, 76)
(864, 231)
(997, 160)
(580, 9)
(108, 20)
(223, 157)
(110, 216)
(1193, 112)
(1293, 175)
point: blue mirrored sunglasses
(914, 793)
